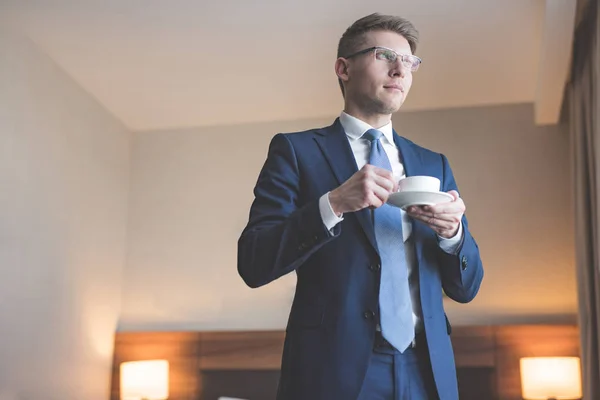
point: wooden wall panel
(241, 350)
(474, 346)
(190, 353)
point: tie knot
(372, 135)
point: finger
(375, 201)
(433, 222)
(383, 172)
(447, 233)
(454, 207)
(453, 219)
(388, 184)
(387, 174)
(381, 177)
(434, 211)
(446, 218)
(372, 169)
(445, 213)
(437, 224)
(381, 193)
(375, 193)
(415, 210)
(454, 194)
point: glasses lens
(416, 62)
(385, 55)
(411, 62)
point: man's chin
(392, 108)
(384, 107)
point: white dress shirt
(361, 147)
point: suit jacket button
(374, 267)
(464, 263)
(369, 314)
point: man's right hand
(369, 187)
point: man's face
(377, 86)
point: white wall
(516, 181)
(190, 198)
(192, 189)
(64, 181)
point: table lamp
(145, 380)
(551, 378)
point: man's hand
(369, 187)
(443, 218)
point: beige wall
(516, 182)
(64, 182)
(65, 237)
(191, 192)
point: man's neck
(374, 120)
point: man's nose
(398, 69)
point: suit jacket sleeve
(461, 273)
(283, 229)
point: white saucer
(406, 199)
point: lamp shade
(551, 377)
(148, 380)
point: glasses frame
(398, 55)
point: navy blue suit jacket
(331, 327)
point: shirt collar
(355, 128)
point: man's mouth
(395, 87)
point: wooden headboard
(190, 353)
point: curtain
(583, 91)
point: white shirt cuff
(330, 219)
(452, 244)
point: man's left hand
(443, 218)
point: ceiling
(157, 64)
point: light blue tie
(395, 305)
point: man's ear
(341, 69)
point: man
(367, 321)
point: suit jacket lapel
(413, 166)
(336, 149)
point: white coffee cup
(419, 184)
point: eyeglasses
(390, 56)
